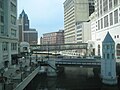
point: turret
(108, 62)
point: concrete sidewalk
(10, 72)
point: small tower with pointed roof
(108, 63)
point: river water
(73, 78)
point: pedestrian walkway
(11, 73)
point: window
(98, 8)
(106, 21)
(108, 56)
(5, 46)
(13, 46)
(110, 4)
(13, 7)
(101, 7)
(13, 20)
(112, 47)
(2, 29)
(98, 24)
(113, 56)
(101, 23)
(99, 50)
(115, 3)
(111, 19)
(107, 46)
(1, 17)
(24, 48)
(105, 5)
(117, 36)
(116, 16)
(2, 4)
(118, 50)
(109, 74)
(13, 32)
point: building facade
(107, 20)
(8, 32)
(53, 37)
(75, 11)
(83, 33)
(26, 34)
(31, 36)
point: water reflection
(72, 79)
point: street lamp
(36, 58)
(30, 59)
(48, 50)
(21, 69)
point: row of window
(70, 39)
(102, 5)
(108, 47)
(108, 20)
(116, 36)
(5, 46)
(108, 56)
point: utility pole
(48, 50)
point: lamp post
(30, 59)
(21, 69)
(36, 58)
(48, 50)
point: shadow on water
(69, 80)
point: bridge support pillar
(51, 68)
(90, 72)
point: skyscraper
(75, 12)
(8, 31)
(26, 34)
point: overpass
(58, 47)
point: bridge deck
(60, 47)
(76, 62)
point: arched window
(113, 56)
(99, 50)
(118, 51)
(108, 56)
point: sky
(44, 15)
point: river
(73, 78)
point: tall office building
(75, 12)
(8, 32)
(26, 34)
(31, 36)
(107, 20)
